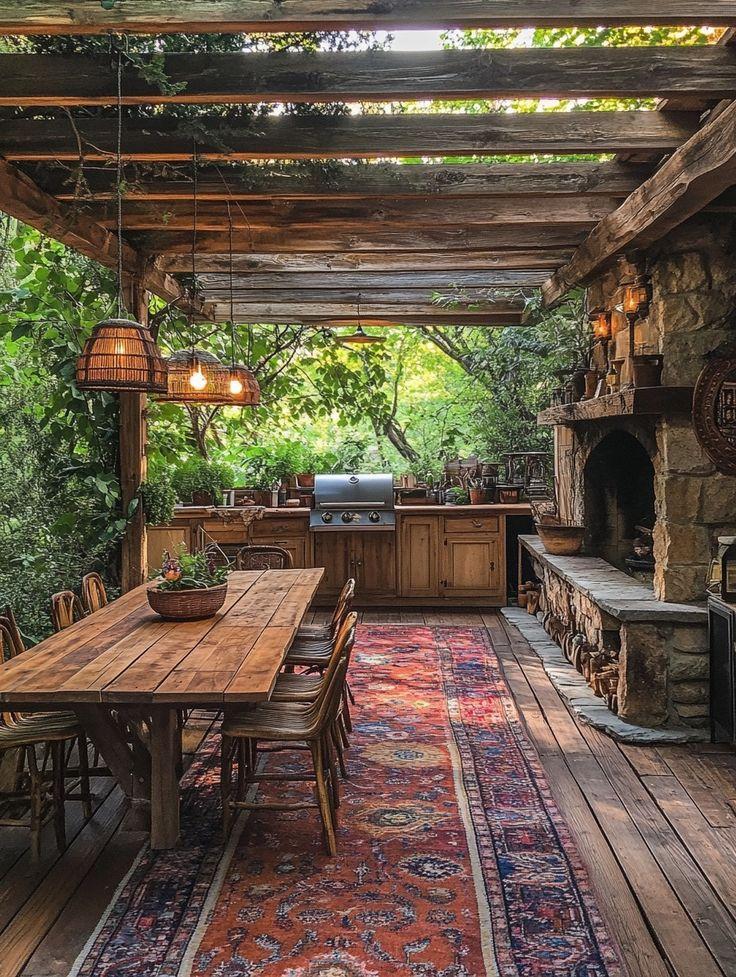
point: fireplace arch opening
(619, 496)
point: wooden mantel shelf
(626, 403)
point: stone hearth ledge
(619, 595)
(580, 697)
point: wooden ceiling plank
(248, 78)
(307, 282)
(329, 262)
(359, 136)
(687, 182)
(351, 180)
(208, 16)
(285, 314)
(306, 239)
(381, 212)
(472, 298)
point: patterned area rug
(453, 861)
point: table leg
(165, 758)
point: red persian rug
(453, 860)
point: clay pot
(561, 540)
(591, 384)
(648, 370)
(478, 496)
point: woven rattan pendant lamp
(120, 354)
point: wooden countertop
(518, 509)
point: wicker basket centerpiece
(193, 587)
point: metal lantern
(360, 338)
(121, 355)
(197, 377)
(243, 387)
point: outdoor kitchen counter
(438, 555)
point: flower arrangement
(190, 571)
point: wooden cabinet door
(296, 545)
(374, 556)
(419, 556)
(332, 551)
(472, 566)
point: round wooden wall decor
(714, 410)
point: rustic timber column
(133, 437)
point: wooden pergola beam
(307, 239)
(686, 183)
(293, 314)
(22, 199)
(241, 78)
(352, 214)
(359, 136)
(471, 299)
(212, 16)
(257, 181)
(336, 262)
(307, 282)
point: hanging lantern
(360, 338)
(196, 377)
(121, 355)
(636, 297)
(243, 387)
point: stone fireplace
(636, 462)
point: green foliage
(198, 475)
(159, 497)
(190, 571)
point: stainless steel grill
(353, 502)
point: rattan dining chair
(66, 609)
(53, 735)
(94, 595)
(264, 557)
(326, 632)
(287, 725)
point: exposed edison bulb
(197, 379)
(119, 348)
(236, 387)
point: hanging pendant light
(359, 337)
(120, 354)
(196, 377)
(243, 386)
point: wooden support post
(133, 437)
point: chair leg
(226, 772)
(58, 767)
(346, 713)
(337, 743)
(84, 777)
(323, 798)
(350, 693)
(36, 793)
(329, 754)
(243, 768)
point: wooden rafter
(352, 214)
(687, 182)
(363, 136)
(283, 313)
(196, 16)
(667, 72)
(305, 239)
(473, 298)
(307, 282)
(331, 262)
(398, 180)
(22, 199)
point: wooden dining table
(128, 674)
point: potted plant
(202, 482)
(192, 587)
(158, 497)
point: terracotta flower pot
(305, 480)
(648, 370)
(477, 496)
(561, 540)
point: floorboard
(655, 826)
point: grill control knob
(374, 516)
(347, 517)
(326, 517)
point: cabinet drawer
(471, 524)
(269, 528)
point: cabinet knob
(477, 523)
(492, 565)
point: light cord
(120, 184)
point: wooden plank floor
(656, 828)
